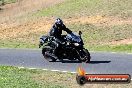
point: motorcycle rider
(56, 31)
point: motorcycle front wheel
(85, 56)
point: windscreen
(74, 37)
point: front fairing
(44, 38)
(74, 38)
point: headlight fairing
(76, 44)
(41, 40)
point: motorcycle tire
(86, 57)
(46, 51)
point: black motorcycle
(71, 48)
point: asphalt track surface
(101, 62)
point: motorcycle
(72, 48)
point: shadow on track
(91, 62)
(68, 61)
(98, 62)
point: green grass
(10, 1)
(7, 1)
(13, 77)
(125, 48)
(17, 44)
(109, 48)
(102, 34)
(95, 37)
(70, 8)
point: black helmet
(58, 22)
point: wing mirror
(80, 33)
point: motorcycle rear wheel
(46, 51)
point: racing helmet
(58, 22)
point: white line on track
(44, 69)
(31, 68)
(20, 67)
(65, 71)
(53, 70)
(47, 70)
(73, 72)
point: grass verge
(70, 8)
(13, 77)
(96, 38)
(97, 35)
(17, 44)
(126, 48)
(7, 1)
